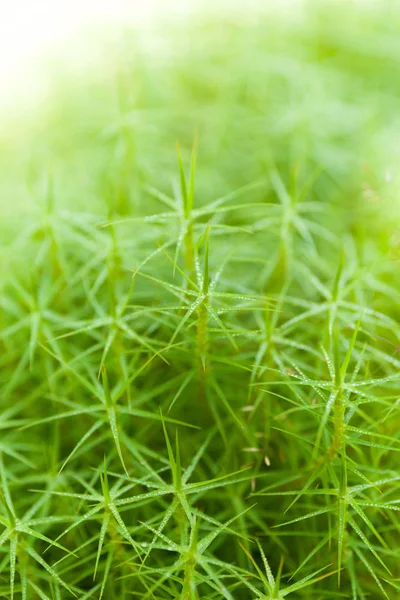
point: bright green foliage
(200, 370)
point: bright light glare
(27, 29)
(31, 29)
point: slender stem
(202, 337)
(338, 425)
(189, 249)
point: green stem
(189, 250)
(202, 337)
(338, 425)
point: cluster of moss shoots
(200, 394)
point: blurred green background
(309, 85)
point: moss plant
(200, 342)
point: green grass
(199, 316)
